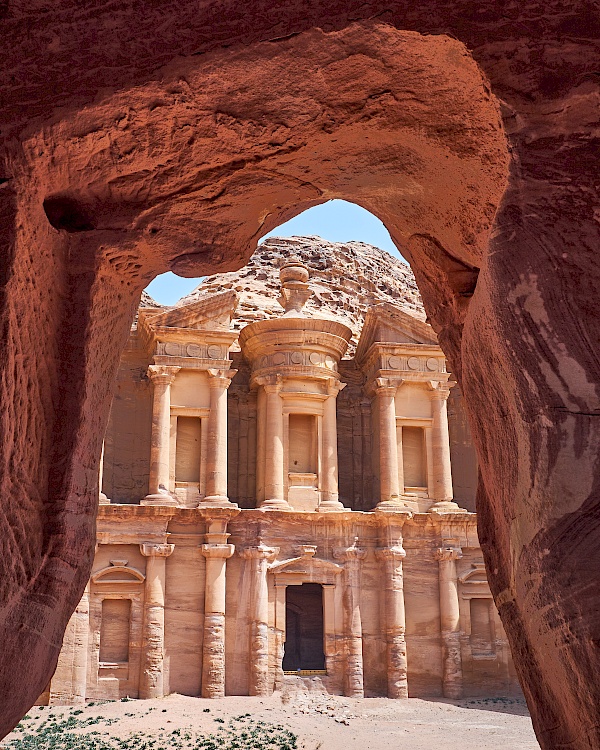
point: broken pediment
(388, 324)
(476, 575)
(213, 312)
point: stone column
(69, 682)
(395, 619)
(153, 635)
(274, 456)
(158, 485)
(352, 556)
(450, 620)
(216, 551)
(328, 481)
(440, 447)
(216, 448)
(260, 445)
(389, 482)
(102, 498)
(259, 557)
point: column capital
(259, 552)
(448, 552)
(218, 378)
(334, 386)
(439, 390)
(149, 549)
(350, 553)
(396, 553)
(217, 551)
(386, 386)
(162, 373)
(270, 383)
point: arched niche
(116, 619)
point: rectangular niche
(302, 444)
(413, 457)
(482, 636)
(187, 449)
(114, 631)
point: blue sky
(336, 221)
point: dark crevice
(68, 214)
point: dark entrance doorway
(304, 628)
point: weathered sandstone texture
(282, 513)
(147, 137)
(346, 279)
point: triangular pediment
(213, 312)
(387, 324)
(307, 569)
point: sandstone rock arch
(150, 166)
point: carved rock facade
(470, 129)
(376, 592)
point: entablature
(409, 361)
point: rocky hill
(346, 279)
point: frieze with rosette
(194, 350)
(297, 358)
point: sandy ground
(319, 721)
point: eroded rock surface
(346, 279)
(142, 138)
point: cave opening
(375, 190)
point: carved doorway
(303, 650)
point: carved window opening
(304, 629)
(482, 630)
(414, 457)
(303, 444)
(114, 631)
(188, 450)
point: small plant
(241, 733)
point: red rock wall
(127, 439)
(148, 154)
(462, 452)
